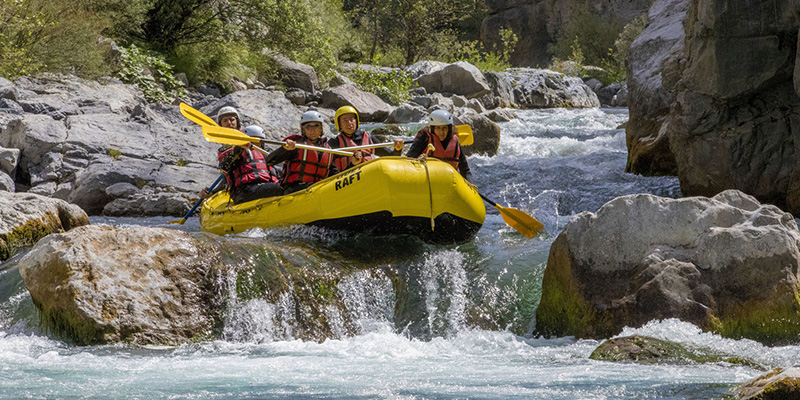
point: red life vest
(451, 154)
(343, 162)
(253, 168)
(308, 165)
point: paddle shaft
(522, 223)
(197, 204)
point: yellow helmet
(346, 110)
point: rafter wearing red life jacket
(451, 154)
(252, 168)
(343, 162)
(308, 165)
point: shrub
(151, 74)
(392, 87)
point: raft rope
(430, 190)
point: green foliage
(173, 23)
(114, 154)
(590, 33)
(392, 87)
(20, 28)
(151, 74)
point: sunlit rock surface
(726, 264)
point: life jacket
(451, 154)
(343, 162)
(308, 165)
(252, 168)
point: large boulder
(296, 75)
(25, 218)
(735, 120)
(486, 133)
(268, 109)
(99, 284)
(726, 264)
(541, 88)
(653, 72)
(370, 107)
(460, 78)
(115, 137)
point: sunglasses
(314, 125)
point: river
(472, 338)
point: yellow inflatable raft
(389, 195)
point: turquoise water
(470, 339)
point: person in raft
(304, 167)
(246, 170)
(441, 132)
(227, 117)
(347, 123)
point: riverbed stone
(778, 384)
(485, 132)
(649, 350)
(539, 88)
(25, 218)
(371, 108)
(727, 264)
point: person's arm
(419, 145)
(229, 158)
(280, 155)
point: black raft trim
(449, 228)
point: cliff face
(735, 121)
(537, 22)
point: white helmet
(311, 116)
(228, 110)
(255, 131)
(440, 117)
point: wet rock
(726, 264)
(653, 72)
(648, 350)
(778, 384)
(370, 107)
(25, 218)
(99, 284)
(486, 133)
(461, 78)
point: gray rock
(94, 290)
(424, 101)
(537, 88)
(406, 113)
(10, 106)
(652, 64)
(476, 105)
(122, 189)
(339, 79)
(486, 133)
(25, 218)
(621, 98)
(594, 84)
(370, 107)
(458, 101)
(727, 264)
(265, 108)
(6, 183)
(460, 78)
(420, 68)
(606, 94)
(501, 115)
(296, 75)
(35, 135)
(9, 158)
(296, 96)
(502, 91)
(439, 102)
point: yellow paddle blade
(218, 134)
(196, 116)
(465, 137)
(521, 222)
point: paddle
(218, 134)
(196, 116)
(189, 214)
(465, 137)
(462, 138)
(521, 222)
